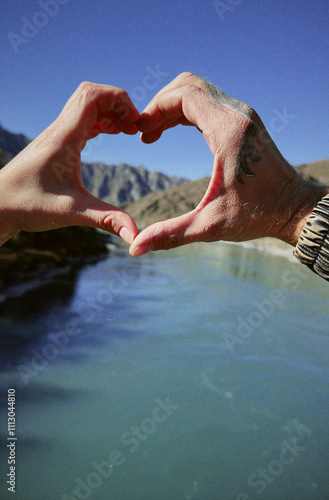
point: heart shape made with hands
(49, 179)
(198, 191)
(108, 110)
(151, 127)
(229, 130)
(250, 191)
(46, 176)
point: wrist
(299, 208)
(312, 247)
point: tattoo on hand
(247, 154)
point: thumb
(93, 212)
(164, 235)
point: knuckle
(124, 95)
(85, 92)
(168, 242)
(85, 87)
(121, 98)
(173, 241)
(195, 89)
(107, 223)
(255, 118)
(251, 113)
(186, 75)
(190, 79)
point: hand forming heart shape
(253, 191)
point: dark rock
(30, 255)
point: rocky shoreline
(28, 256)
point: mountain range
(11, 144)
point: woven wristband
(312, 248)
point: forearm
(7, 229)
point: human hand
(41, 188)
(253, 192)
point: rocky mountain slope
(117, 184)
(11, 144)
(166, 204)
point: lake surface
(199, 373)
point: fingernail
(141, 250)
(126, 235)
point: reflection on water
(39, 300)
(25, 319)
(127, 387)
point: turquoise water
(200, 373)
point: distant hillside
(167, 204)
(317, 171)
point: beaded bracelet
(312, 248)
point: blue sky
(273, 55)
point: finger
(101, 127)
(92, 212)
(108, 100)
(164, 109)
(165, 235)
(126, 128)
(111, 127)
(92, 103)
(180, 81)
(153, 136)
(185, 106)
(152, 114)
